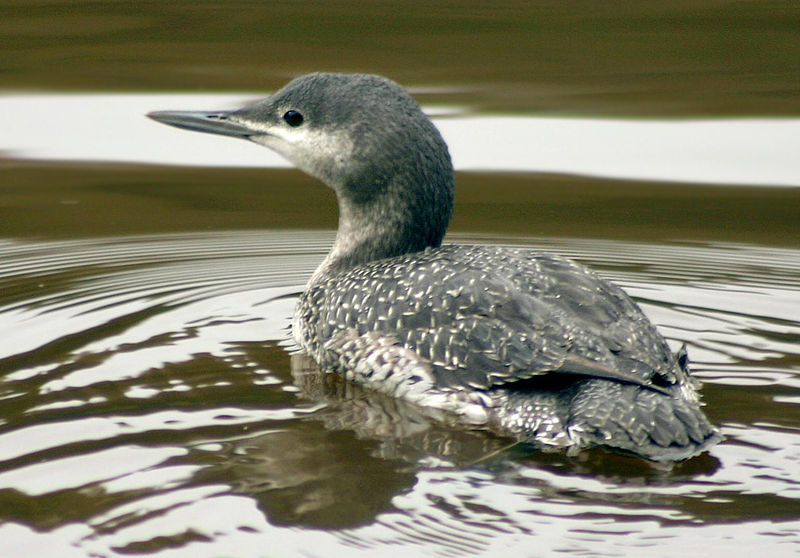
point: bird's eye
(293, 118)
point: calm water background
(151, 401)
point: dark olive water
(151, 400)
(151, 404)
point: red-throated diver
(532, 345)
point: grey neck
(405, 213)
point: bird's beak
(200, 121)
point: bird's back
(486, 316)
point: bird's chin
(273, 143)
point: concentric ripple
(151, 403)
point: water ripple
(149, 403)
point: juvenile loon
(532, 345)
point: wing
(599, 308)
(484, 317)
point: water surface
(152, 402)
(740, 151)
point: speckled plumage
(482, 331)
(531, 345)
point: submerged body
(531, 345)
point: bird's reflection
(342, 465)
(402, 430)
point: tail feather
(620, 416)
(657, 426)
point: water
(152, 402)
(733, 151)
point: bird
(531, 345)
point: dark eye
(293, 118)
